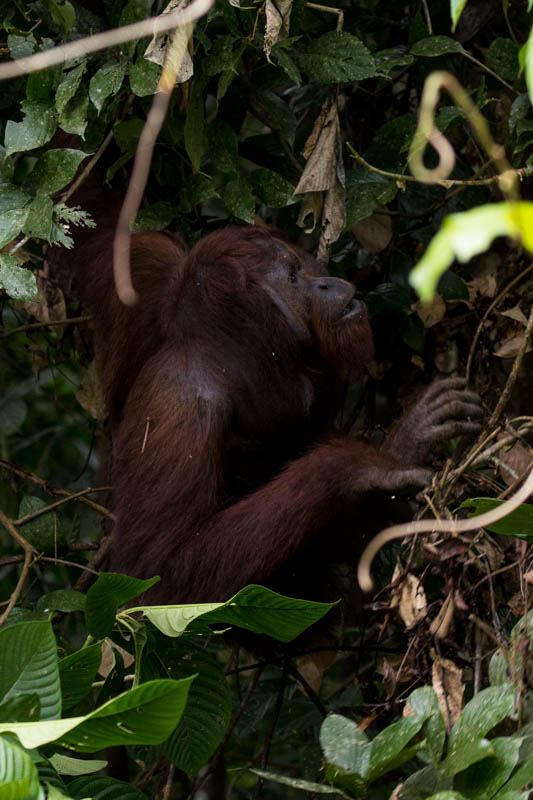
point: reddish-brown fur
(226, 470)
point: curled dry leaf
(440, 627)
(324, 172)
(278, 17)
(158, 47)
(411, 600)
(108, 658)
(446, 679)
(514, 462)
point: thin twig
(49, 324)
(445, 182)
(84, 580)
(169, 781)
(29, 552)
(46, 509)
(101, 41)
(31, 477)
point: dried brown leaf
(446, 679)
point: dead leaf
(90, 395)
(431, 313)
(324, 172)
(411, 600)
(510, 348)
(440, 627)
(108, 658)
(278, 17)
(159, 46)
(446, 679)
(514, 462)
(374, 232)
(515, 313)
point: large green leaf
(207, 713)
(19, 779)
(100, 788)
(338, 56)
(144, 715)
(479, 716)
(28, 665)
(254, 608)
(55, 169)
(109, 592)
(77, 673)
(18, 282)
(37, 128)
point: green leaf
(145, 715)
(66, 765)
(106, 81)
(28, 665)
(77, 672)
(271, 188)
(522, 777)
(254, 608)
(40, 216)
(43, 532)
(338, 56)
(196, 189)
(435, 46)
(61, 600)
(296, 783)
(19, 779)
(100, 788)
(456, 9)
(479, 716)
(389, 743)
(155, 217)
(503, 58)
(424, 704)
(223, 147)
(239, 199)
(391, 58)
(37, 128)
(109, 592)
(73, 118)
(364, 191)
(18, 282)
(11, 223)
(24, 708)
(194, 133)
(220, 57)
(486, 777)
(286, 62)
(276, 113)
(69, 86)
(12, 198)
(55, 168)
(464, 235)
(21, 46)
(518, 523)
(143, 77)
(345, 745)
(207, 713)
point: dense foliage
(301, 115)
